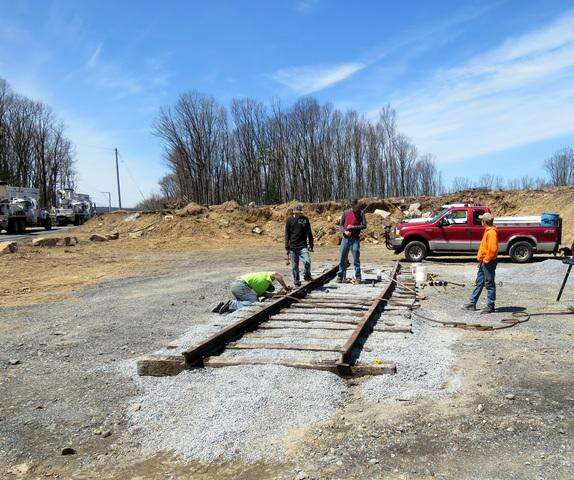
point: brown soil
(44, 274)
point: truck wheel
(12, 226)
(48, 223)
(416, 251)
(22, 226)
(521, 252)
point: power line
(132, 177)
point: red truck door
(454, 234)
(476, 229)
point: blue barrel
(549, 219)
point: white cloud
(310, 79)
(512, 95)
(305, 6)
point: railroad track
(321, 325)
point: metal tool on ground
(444, 283)
(569, 262)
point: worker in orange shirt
(487, 254)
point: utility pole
(109, 194)
(118, 179)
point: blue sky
(482, 86)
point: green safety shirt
(258, 281)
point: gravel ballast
(218, 414)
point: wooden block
(282, 346)
(161, 365)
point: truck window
(458, 217)
(475, 215)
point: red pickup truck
(456, 229)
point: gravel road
(499, 400)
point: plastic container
(421, 274)
(549, 219)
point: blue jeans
(352, 244)
(300, 253)
(485, 278)
(243, 293)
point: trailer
(19, 209)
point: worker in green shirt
(248, 288)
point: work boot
(225, 307)
(339, 280)
(297, 284)
(308, 278)
(487, 310)
(216, 307)
(469, 306)
(356, 281)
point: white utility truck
(19, 209)
(75, 208)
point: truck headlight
(397, 232)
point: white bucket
(421, 274)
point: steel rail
(346, 362)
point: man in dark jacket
(297, 234)
(351, 223)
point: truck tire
(22, 226)
(48, 224)
(416, 251)
(12, 226)
(521, 252)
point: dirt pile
(218, 224)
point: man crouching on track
(249, 287)
(487, 254)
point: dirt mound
(190, 209)
(219, 224)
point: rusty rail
(217, 342)
(366, 324)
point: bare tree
(560, 167)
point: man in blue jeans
(485, 277)
(297, 234)
(351, 223)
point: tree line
(34, 150)
(309, 152)
(559, 169)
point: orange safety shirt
(488, 250)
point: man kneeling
(247, 289)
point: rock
(427, 215)
(68, 451)
(47, 241)
(20, 469)
(251, 204)
(191, 209)
(414, 207)
(373, 461)
(112, 236)
(301, 476)
(98, 238)
(382, 213)
(135, 234)
(13, 361)
(480, 408)
(510, 396)
(133, 217)
(257, 230)
(106, 433)
(8, 247)
(168, 217)
(69, 241)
